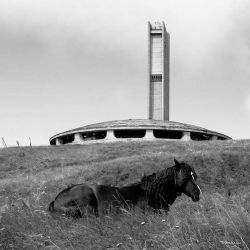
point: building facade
(158, 69)
(135, 130)
(157, 126)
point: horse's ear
(176, 162)
(143, 177)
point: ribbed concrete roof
(139, 124)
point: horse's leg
(94, 203)
(51, 206)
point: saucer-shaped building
(135, 130)
(157, 126)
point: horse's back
(76, 197)
(97, 198)
(106, 193)
(109, 196)
(79, 191)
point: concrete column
(214, 137)
(59, 141)
(78, 138)
(186, 136)
(149, 135)
(110, 135)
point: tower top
(157, 25)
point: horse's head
(185, 180)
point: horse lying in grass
(158, 190)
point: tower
(158, 67)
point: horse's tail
(51, 206)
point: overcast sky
(65, 64)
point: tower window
(167, 134)
(94, 135)
(67, 139)
(195, 136)
(156, 77)
(130, 133)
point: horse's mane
(153, 184)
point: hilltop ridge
(221, 165)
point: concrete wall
(156, 53)
(110, 137)
(156, 100)
(158, 49)
(165, 73)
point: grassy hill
(31, 177)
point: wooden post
(4, 144)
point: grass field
(31, 177)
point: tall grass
(31, 177)
(213, 223)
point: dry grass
(31, 177)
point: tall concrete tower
(158, 47)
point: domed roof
(139, 124)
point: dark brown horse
(163, 187)
(158, 190)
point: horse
(163, 187)
(158, 191)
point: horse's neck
(164, 196)
(168, 192)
